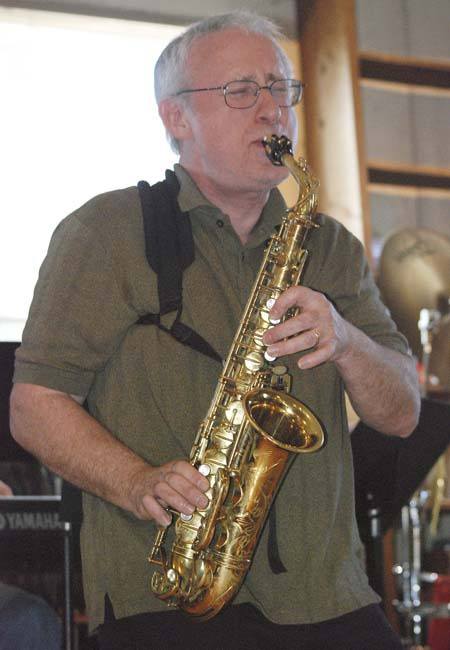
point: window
(77, 118)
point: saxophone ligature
(252, 428)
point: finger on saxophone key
(187, 487)
(175, 486)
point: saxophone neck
(306, 206)
(279, 151)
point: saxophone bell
(285, 421)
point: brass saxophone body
(249, 434)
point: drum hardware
(430, 322)
(389, 471)
(415, 285)
(411, 607)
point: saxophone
(252, 428)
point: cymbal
(414, 274)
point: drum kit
(414, 280)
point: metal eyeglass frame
(296, 84)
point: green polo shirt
(152, 392)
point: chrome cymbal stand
(411, 607)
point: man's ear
(174, 116)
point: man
(147, 393)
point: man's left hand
(317, 327)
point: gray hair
(170, 68)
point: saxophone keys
(254, 361)
(172, 576)
(281, 379)
(257, 336)
(269, 304)
(235, 412)
(204, 469)
(265, 312)
(268, 357)
(165, 585)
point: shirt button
(219, 223)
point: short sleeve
(340, 270)
(82, 306)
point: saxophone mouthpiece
(277, 146)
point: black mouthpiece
(276, 146)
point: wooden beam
(388, 173)
(428, 72)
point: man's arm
(381, 383)
(63, 436)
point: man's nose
(268, 109)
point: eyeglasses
(244, 94)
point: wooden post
(334, 132)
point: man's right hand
(176, 485)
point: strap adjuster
(149, 319)
(181, 332)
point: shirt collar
(190, 199)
